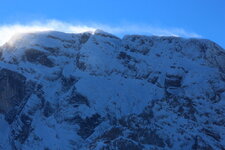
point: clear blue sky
(204, 17)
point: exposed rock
(68, 82)
(123, 55)
(36, 56)
(48, 109)
(50, 49)
(173, 81)
(88, 125)
(79, 63)
(12, 90)
(77, 99)
(84, 37)
(105, 34)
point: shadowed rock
(12, 89)
(35, 56)
(88, 125)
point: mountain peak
(97, 91)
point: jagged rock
(68, 82)
(77, 99)
(84, 37)
(12, 91)
(105, 34)
(79, 63)
(36, 56)
(173, 81)
(123, 55)
(48, 109)
(88, 125)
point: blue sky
(189, 18)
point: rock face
(36, 56)
(12, 89)
(96, 91)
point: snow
(130, 96)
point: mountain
(95, 91)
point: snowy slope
(97, 91)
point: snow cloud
(7, 31)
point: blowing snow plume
(7, 31)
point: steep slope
(97, 91)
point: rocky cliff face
(97, 91)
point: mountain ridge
(98, 91)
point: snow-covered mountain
(95, 91)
